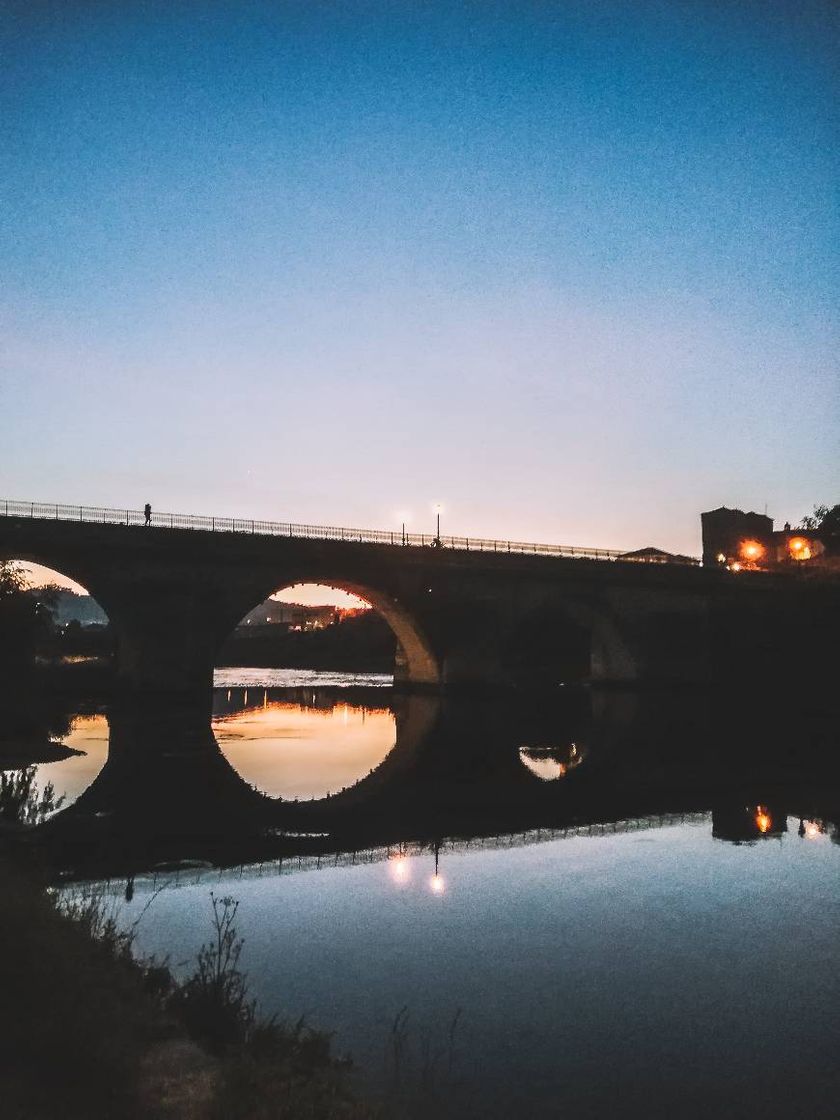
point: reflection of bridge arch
(416, 717)
(166, 762)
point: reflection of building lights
(763, 820)
(812, 830)
(437, 884)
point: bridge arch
(74, 606)
(416, 662)
(567, 640)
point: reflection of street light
(400, 869)
(436, 882)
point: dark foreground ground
(88, 1033)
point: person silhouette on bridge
(147, 513)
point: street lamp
(437, 508)
(403, 519)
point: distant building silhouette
(292, 616)
(725, 530)
(733, 539)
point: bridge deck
(47, 511)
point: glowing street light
(438, 508)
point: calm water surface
(71, 776)
(657, 972)
(301, 748)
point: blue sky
(568, 268)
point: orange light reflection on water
(292, 751)
(72, 776)
(763, 820)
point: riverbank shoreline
(91, 1032)
(83, 1037)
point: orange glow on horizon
(39, 576)
(320, 595)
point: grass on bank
(88, 1031)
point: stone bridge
(462, 617)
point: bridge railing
(47, 511)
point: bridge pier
(166, 641)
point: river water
(570, 906)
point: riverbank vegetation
(362, 643)
(95, 1031)
(90, 1029)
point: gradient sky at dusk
(568, 268)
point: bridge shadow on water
(167, 797)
